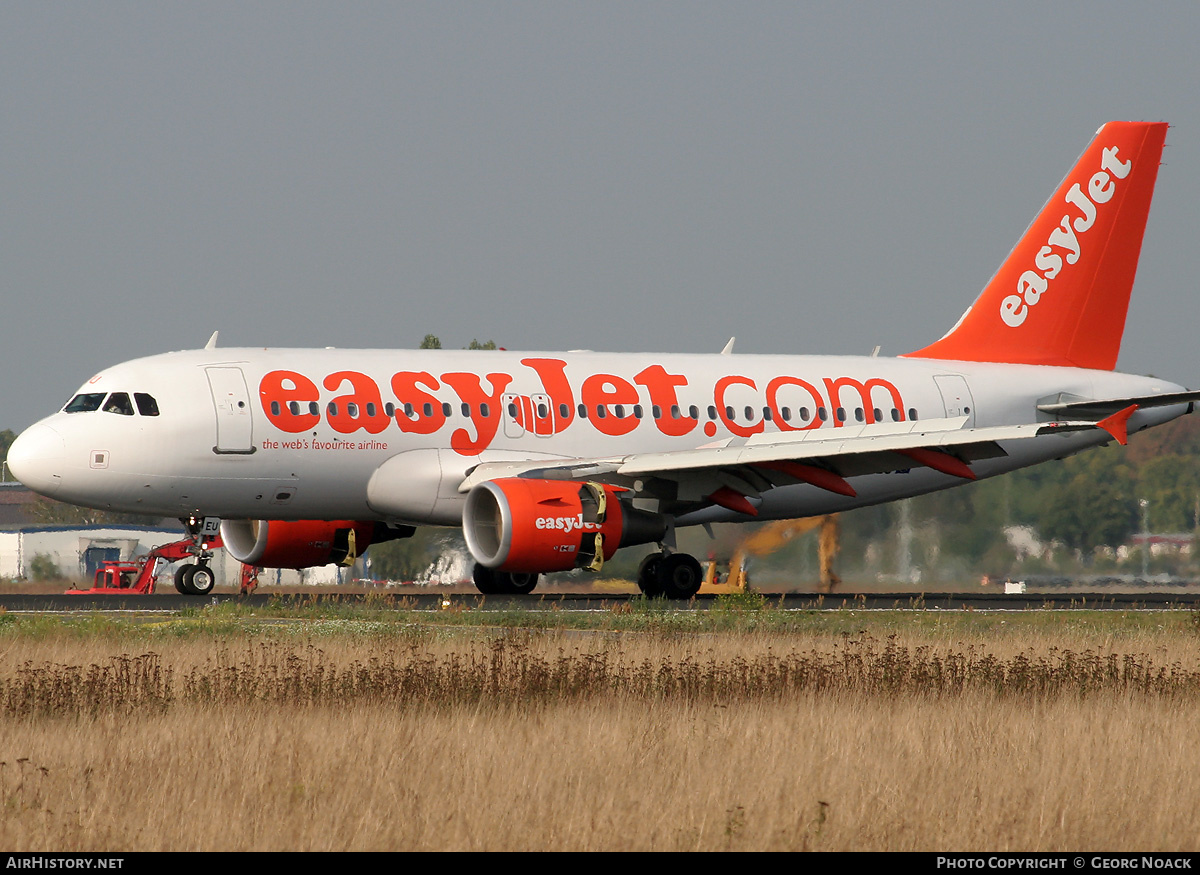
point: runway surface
(426, 600)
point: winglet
(1117, 424)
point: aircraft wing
(732, 472)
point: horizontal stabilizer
(1109, 406)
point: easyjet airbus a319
(552, 461)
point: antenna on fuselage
(212, 341)
(728, 350)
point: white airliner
(551, 461)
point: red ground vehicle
(120, 577)
(138, 574)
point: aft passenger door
(956, 397)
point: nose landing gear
(197, 578)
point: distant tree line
(6, 439)
(432, 341)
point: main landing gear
(673, 575)
(491, 582)
(670, 575)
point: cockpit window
(118, 402)
(146, 404)
(84, 403)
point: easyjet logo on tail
(1064, 240)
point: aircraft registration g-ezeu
(552, 461)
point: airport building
(74, 552)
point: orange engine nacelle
(295, 544)
(514, 524)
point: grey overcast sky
(812, 177)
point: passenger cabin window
(84, 403)
(118, 402)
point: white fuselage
(305, 434)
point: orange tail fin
(1061, 296)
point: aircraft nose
(36, 458)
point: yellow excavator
(772, 537)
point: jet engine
(518, 525)
(298, 543)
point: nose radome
(36, 458)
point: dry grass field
(453, 739)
